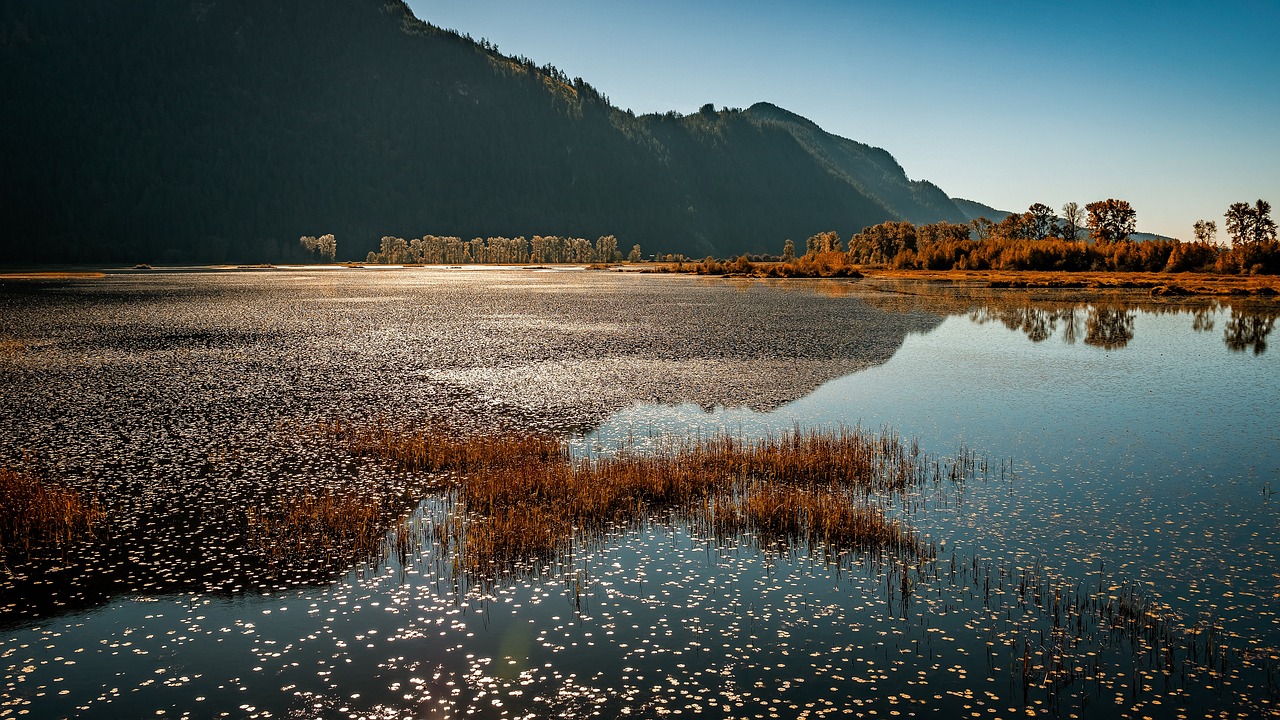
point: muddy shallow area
(1129, 443)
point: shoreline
(1156, 283)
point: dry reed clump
(323, 524)
(36, 513)
(830, 519)
(522, 499)
(438, 448)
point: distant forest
(160, 131)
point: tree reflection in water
(1202, 318)
(1104, 322)
(1109, 328)
(1248, 330)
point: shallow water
(1134, 445)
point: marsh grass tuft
(326, 523)
(522, 499)
(37, 513)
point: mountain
(973, 210)
(222, 130)
(870, 171)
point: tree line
(1095, 237)
(449, 250)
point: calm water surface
(1128, 445)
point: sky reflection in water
(1159, 459)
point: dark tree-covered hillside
(222, 130)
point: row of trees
(947, 246)
(1246, 225)
(1105, 221)
(436, 250)
(1039, 239)
(1114, 220)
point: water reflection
(1105, 322)
(1248, 332)
(1108, 328)
(178, 404)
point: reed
(523, 500)
(35, 512)
(325, 523)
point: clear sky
(1173, 106)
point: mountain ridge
(222, 131)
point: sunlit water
(1148, 461)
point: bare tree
(1072, 219)
(981, 227)
(1206, 232)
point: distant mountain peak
(769, 111)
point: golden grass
(521, 498)
(326, 523)
(1182, 283)
(37, 513)
(1159, 283)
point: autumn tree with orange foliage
(1112, 220)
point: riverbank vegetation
(1095, 239)
(493, 503)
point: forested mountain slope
(222, 130)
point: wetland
(398, 492)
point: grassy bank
(1156, 283)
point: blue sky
(1174, 106)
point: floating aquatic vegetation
(12, 349)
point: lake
(1112, 551)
